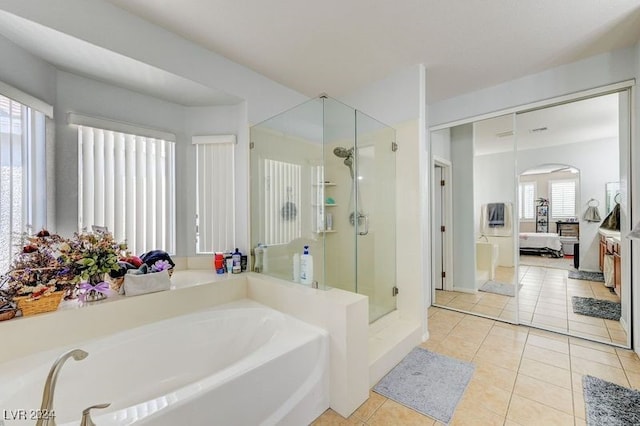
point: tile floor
(545, 301)
(524, 376)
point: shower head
(342, 152)
(348, 161)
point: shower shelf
(326, 232)
(326, 205)
(324, 184)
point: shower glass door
(374, 216)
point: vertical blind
(127, 185)
(23, 177)
(282, 183)
(527, 195)
(563, 199)
(215, 217)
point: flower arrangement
(89, 256)
(38, 270)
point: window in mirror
(282, 191)
(215, 200)
(126, 184)
(527, 197)
(563, 198)
(22, 175)
(611, 190)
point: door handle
(366, 223)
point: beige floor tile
(367, 408)
(545, 372)
(470, 334)
(580, 422)
(506, 344)
(595, 355)
(527, 412)
(626, 353)
(589, 329)
(458, 304)
(593, 345)
(630, 364)
(545, 393)
(489, 311)
(596, 369)
(579, 410)
(392, 413)
(634, 379)
(469, 298)
(476, 417)
(508, 360)
(547, 356)
(598, 322)
(548, 341)
(463, 345)
(502, 378)
(482, 394)
(331, 418)
(613, 325)
(548, 320)
(618, 337)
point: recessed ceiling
(575, 122)
(79, 57)
(338, 46)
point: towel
(135, 285)
(592, 214)
(495, 214)
(612, 221)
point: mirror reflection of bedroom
(536, 200)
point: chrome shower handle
(366, 223)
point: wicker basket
(47, 303)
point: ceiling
(77, 56)
(338, 46)
(575, 122)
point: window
(563, 198)
(526, 199)
(282, 201)
(23, 175)
(215, 199)
(126, 183)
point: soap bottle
(257, 253)
(296, 267)
(228, 262)
(265, 259)
(306, 267)
(236, 258)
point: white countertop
(609, 234)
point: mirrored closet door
(534, 206)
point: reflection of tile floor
(545, 301)
(524, 376)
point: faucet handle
(86, 414)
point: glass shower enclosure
(323, 176)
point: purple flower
(160, 266)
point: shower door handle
(366, 224)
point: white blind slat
(215, 193)
(125, 186)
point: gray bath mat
(427, 382)
(587, 276)
(499, 288)
(610, 404)
(598, 308)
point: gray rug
(586, 276)
(610, 404)
(598, 308)
(498, 288)
(427, 382)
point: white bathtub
(240, 363)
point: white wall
(635, 204)
(26, 72)
(462, 184)
(607, 68)
(114, 29)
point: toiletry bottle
(329, 222)
(236, 258)
(306, 267)
(257, 254)
(228, 262)
(296, 267)
(265, 259)
(219, 263)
